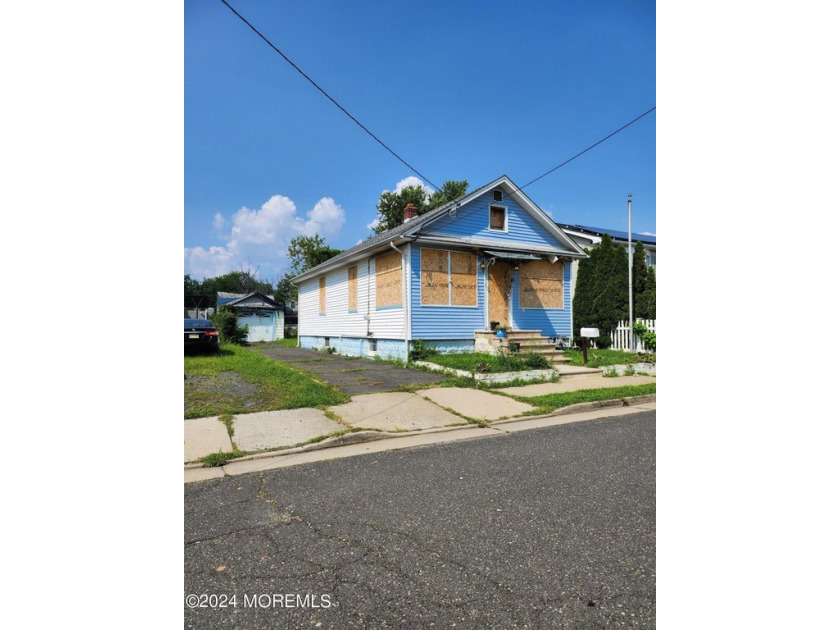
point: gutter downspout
(405, 305)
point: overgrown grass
(490, 363)
(220, 459)
(290, 342)
(551, 402)
(270, 385)
(600, 358)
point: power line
(592, 146)
(320, 89)
(589, 147)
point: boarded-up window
(497, 218)
(352, 288)
(541, 284)
(434, 276)
(322, 295)
(389, 280)
(464, 287)
(447, 278)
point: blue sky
(460, 90)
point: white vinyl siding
(337, 321)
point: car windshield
(198, 323)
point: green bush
(229, 331)
(536, 361)
(648, 337)
(420, 351)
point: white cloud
(207, 263)
(326, 218)
(374, 224)
(648, 233)
(259, 239)
(411, 180)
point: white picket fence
(623, 337)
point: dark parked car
(200, 336)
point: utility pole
(630, 267)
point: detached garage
(261, 313)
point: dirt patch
(200, 390)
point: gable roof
(410, 230)
(616, 235)
(242, 297)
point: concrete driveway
(349, 374)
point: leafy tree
(450, 191)
(306, 252)
(391, 205)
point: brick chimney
(409, 213)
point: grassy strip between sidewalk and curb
(600, 358)
(271, 385)
(552, 402)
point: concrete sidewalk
(374, 417)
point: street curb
(372, 436)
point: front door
(498, 294)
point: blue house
(261, 313)
(447, 277)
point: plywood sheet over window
(352, 288)
(322, 295)
(464, 282)
(541, 284)
(389, 288)
(434, 276)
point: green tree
(601, 297)
(639, 271)
(306, 252)
(450, 191)
(391, 205)
(647, 299)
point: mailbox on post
(587, 334)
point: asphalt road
(549, 528)
(351, 375)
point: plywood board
(464, 281)
(497, 290)
(541, 285)
(322, 294)
(389, 280)
(352, 288)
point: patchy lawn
(600, 358)
(493, 363)
(239, 380)
(550, 402)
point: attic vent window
(497, 195)
(498, 218)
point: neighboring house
(261, 313)
(491, 256)
(588, 237)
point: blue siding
(391, 349)
(357, 346)
(473, 219)
(443, 322)
(552, 322)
